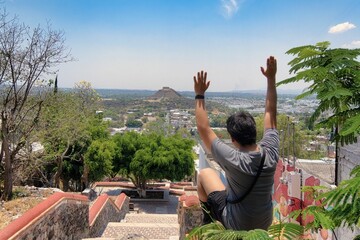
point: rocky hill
(167, 93)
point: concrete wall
(349, 157)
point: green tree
(292, 135)
(127, 145)
(153, 156)
(68, 127)
(163, 158)
(218, 120)
(98, 158)
(334, 77)
(64, 134)
(134, 123)
(159, 126)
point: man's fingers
(262, 70)
(201, 78)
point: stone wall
(189, 214)
(67, 216)
(104, 210)
(61, 216)
(66, 221)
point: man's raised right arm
(271, 95)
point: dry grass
(25, 199)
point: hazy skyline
(148, 44)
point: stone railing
(61, 216)
(67, 216)
(105, 210)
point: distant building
(107, 119)
(180, 118)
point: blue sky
(148, 44)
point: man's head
(242, 128)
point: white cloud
(230, 7)
(341, 27)
(353, 44)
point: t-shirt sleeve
(228, 157)
(271, 142)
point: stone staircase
(138, 226)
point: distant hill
(170, 99)
(165, 93)
(141, 94)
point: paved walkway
(155, 220)
(151, 229)
(168, 207)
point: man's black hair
(242, 128)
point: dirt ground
(24, 199)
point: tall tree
(68, 127)
(168, 158)
(289, 129)
(154, 156)
(98, 158)
(26, 57)
(127, 145)
(334, 77)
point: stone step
(125, 230)
(150, 218)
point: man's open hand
(200, 83)
(271, 68)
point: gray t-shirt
(256, 210)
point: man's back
(255, 211)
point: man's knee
(210, 181)
(207, 173)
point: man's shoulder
(271, 133)
(217, 142)
(271, 138)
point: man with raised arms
(245, 202)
